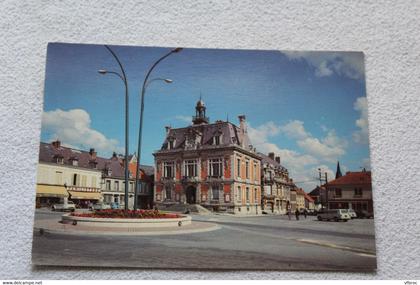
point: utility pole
(323, 178)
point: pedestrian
(289, 213)
(305, 213)
(297, 214)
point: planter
(126, 222)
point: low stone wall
(124, 223)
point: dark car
(364, 214)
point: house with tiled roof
(64, 173)
(276, 184)
(210, 164)
(352, 190)
(300, 199)
(318, 194)
(83, 177)
(309, 202)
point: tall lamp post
(123, 77)
(323, 179)
(143, 90)
(168, 81)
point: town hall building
(210, 164)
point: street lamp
(143, 91)
(123, 77)
(168, 81)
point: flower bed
(126, 219)
(130, 214)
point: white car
(62, 207)
(100, 206)
(352, 213)
(334, 215)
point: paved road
(269, 242)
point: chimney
(242, 122)
(92, 153)
(114, 155)
(56, 144)
(242, 128)
(278, 159)
(271, 155)
(168, 129)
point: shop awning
(85, 195)
(43, 190)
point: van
(334, 215)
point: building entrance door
(190, 194)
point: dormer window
(93, 164)
(171, 143)
(216, 140)
(109, 172)
(74, 161)
(58, 158)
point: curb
(213, 227)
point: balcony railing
(82, 188)
(200, 118)
(190, 179)
(167, 179)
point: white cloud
(349, 64)
(294, 129)
(323, 70)
(303, 166)
(73, 128)
(328, 148)
(183, 118)
(294, 161)
(322, 150)
(362, 135)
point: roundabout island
(120, 222)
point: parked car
(63, 207)
(311, 212)
(115, 205)
(352, 213)
(364, 214)
(100, 206)
(334, 215)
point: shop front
(83, 199)
(48, 195)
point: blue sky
(308, 107)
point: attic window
(93, 164)
(74, 162)
(216, 140)
(59, 160)
(171, 143)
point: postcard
(186, 158)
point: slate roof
(268, 160)
(49, 153)
(230, 135)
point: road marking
(359, 251)
(366, 255)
